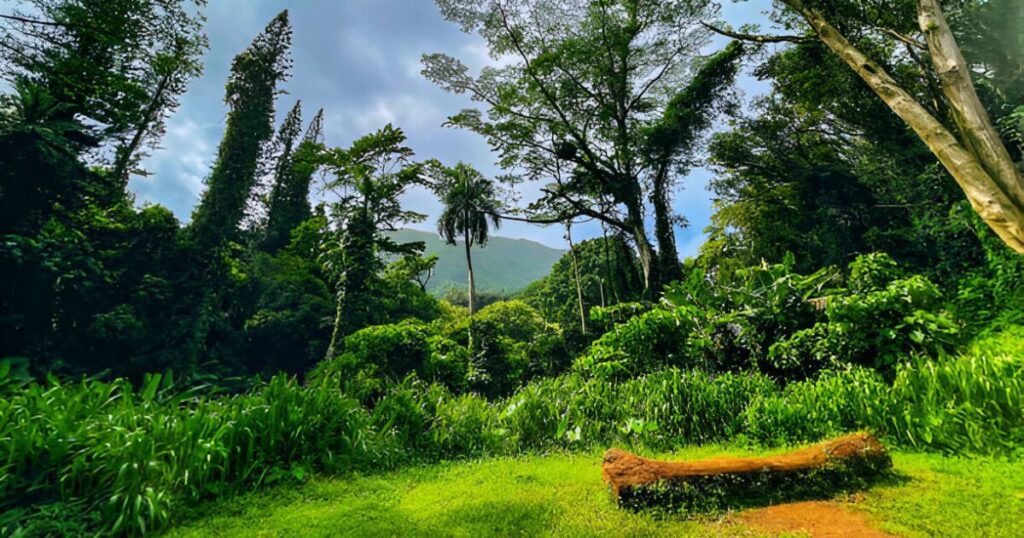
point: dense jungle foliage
(148, 364)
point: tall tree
(250, 93)
(102, 60)
(113, 68)
(671, 145)
(907, 52)
(370, 178)
(579, 86)
(289, 196)
(470, 209)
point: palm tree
(469, 203)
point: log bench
(838, 464)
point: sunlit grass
(562, 495)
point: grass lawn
(562, 495)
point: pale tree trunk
(979, 163)
(576, 272)
(336, 331)
(648, 256)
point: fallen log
(839, 464)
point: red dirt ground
(817, 519)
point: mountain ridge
(504, 265)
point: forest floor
(562, 495)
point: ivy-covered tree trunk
(576, 277)
(669, 266)
(354, 307)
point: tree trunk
(336, 331)
(625, 472)
(971, 118)
(648, 257)
(472, 283)
(124, 158)
(993, 191)
(670, 267)
(576, 272)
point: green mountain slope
(504, 265)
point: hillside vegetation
(503, 267)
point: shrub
(747, 312)
(870, 272)
(604, 318)
(644, 343)
(511, 344)
(876, 328)
(389, 350)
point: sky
(360, 61)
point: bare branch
(760, 38)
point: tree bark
(336, 330)
(971, 118)
(648, 257)
(997, 200)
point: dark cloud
(359, 60)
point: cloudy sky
(360, 61)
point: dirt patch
(817, 519)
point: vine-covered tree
(250, 94)
(370, 177)
(579, 87)
(470, 209)
(289, 196)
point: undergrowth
(129, 458)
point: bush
(511, 344)
(644, 343)
(380, 350)
(877, 327)
(746, 312)
(871, 272)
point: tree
(822, 169)
(250, 93)
(107, 73)
(470, 202)
(580, 86)
(118, 65)
(671, 144)
(908, 54)
(289, 196)
(170, 72)
(370, 177)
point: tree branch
(760, 38)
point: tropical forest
(512, 268)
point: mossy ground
(562, 495)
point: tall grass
(132, 457)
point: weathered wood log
(839, 462)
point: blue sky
(360, 61)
